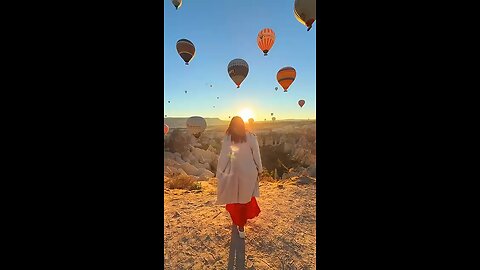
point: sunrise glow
(246, 114)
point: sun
(246, 114)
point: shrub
(183, 182)
(266, 176)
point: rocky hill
(199, 234)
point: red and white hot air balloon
(165, 129)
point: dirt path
(198, 234)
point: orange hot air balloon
(301, 102)
(165, 129)
(265, 40)
(186, 50)
(286, 76)
(305, 12)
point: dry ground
(198, 233)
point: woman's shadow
(236, 258)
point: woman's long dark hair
(236, 129)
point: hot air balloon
(165, 115)
(265, 119)
(229, 117)
(301, 102)
(185, 92)
(273, 118)
(169, 101)
(238, 71)
(265, 40)
(177, 3)
(213, 106)
(218, 98)
(286, 76)
(305, 12)
(211, 85)
(186, 50)
(196, 125)
(276, 88)
(165, 129)
(271, 114)
(250, 124)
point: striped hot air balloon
(165, 129)
(238, 71)
(301, 102)
(265, 40)
(177, 3)
(286, 76)
(305, 12)
(186, 50)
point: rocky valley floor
(198, 232)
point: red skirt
(241, 212)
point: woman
(238, 169)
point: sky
(225, 30)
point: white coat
(237, 171)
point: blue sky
(225, 30)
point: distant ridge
(294, 120)
(181, 122)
